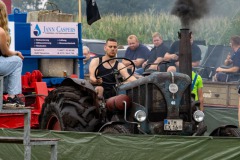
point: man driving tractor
(103, 71)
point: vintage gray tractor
(154, 104)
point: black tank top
(109, 78)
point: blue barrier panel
(22, 39)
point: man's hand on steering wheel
(97, 81)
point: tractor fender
(110, 123)
(80, 84)
(222, 128)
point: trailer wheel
(116, 129)
(67, 109)
(233, 132)
(226, 132)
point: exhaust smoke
(190, 10)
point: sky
(43, 3)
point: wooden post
(79, 11)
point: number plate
(173, 124)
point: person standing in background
(239, 106)
(87, 60)
(239, 112)
(197, 86)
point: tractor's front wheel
(116, 129)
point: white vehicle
(96, 46)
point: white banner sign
(54, 38)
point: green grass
(215, 30)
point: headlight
(140, 115)
(198, 116)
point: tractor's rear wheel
(116, 129)
(67, 109)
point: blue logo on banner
(37, 31)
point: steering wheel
(116, 72)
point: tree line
(124, 17)
(124, 7)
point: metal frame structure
(26, 140)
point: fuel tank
(116, 102)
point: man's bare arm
(168, 57)
(228, 70)
(138, 62)
(125, 73)
(125, 62)
(157, 61)
(92, 67)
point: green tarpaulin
(216, 117)
(97, 146)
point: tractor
(152, 104)
(156, 104)
(160, 103)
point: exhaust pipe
(185, 63)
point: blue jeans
(11, 69)
(139, 71)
